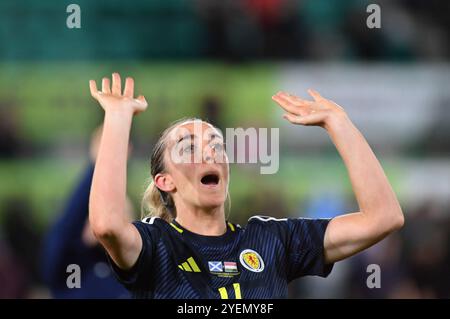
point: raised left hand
(319, 112)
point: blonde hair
(152, 204)
(155, 202)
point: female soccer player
(191, 251)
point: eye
(218, 147)
(189, 149)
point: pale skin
(201, 209)
(379, 211)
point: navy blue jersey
(252, 262)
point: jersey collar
(207, 240)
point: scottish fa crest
(251, 260)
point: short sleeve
(305, 247)
(138, 276)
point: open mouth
(210, 179)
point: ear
(164, 182)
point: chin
(212, 202)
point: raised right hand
(112, 99)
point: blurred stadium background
(222, 60)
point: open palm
(111, 98)
(305, 112)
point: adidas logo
(189, 265)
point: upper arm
(137, 272)
(349, 234)
(304, 247)
(123, 245)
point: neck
(206, 222)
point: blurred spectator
(232, 30)
(252, 28)
(394, 273)
(10, 139)
(13, 276)
(23, 238)
(427, 240)
(71, 241)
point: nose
(209, 154)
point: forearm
(376, 199)
(379, 211)
(108, 190)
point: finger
(295, 99)
(116, 85)
(293, 104)
(106, 85)
(310, 119)
(141, 99)
(93, 88)
(295, 119)
(129, 88)
(316, 96)
(285, 104)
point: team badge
(251, 260)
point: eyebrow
(192, 136)
(185, 137)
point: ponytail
(156, 203)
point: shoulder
(267, 224)
(153, 226)
(291, 224)
(151, 220)
(272, 221)
(265, 220)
